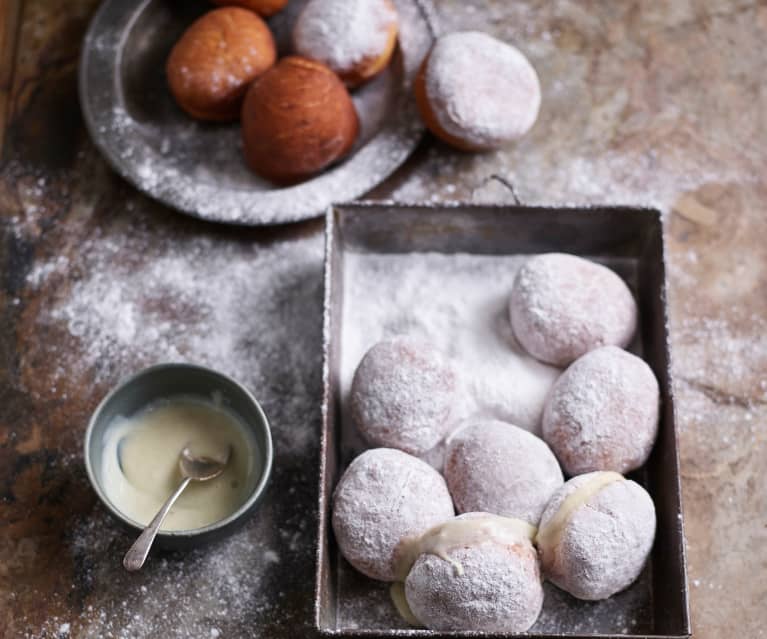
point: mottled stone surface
(658, 103)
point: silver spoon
(192, 468)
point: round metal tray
(198, 168)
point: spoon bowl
(202, 468)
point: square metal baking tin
(610, 233)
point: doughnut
(477, 93)
(402, 395)
(496, 467)
(355, 38)
(596, 534)
(264, 8)
(602, 413)
(563, 306)
(297, 119)
(218, 56)
(384, 496)
(477, 572)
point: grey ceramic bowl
(168, 380)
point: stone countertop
(658, 103)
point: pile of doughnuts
(297, 114)
(519, 520)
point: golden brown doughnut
(297, 119)
(263, 8)
(214, 61)
(355, 38)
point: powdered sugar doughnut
(477, 93)
(602, 413)
(602, 542)
(498, 587)
(402, 395)
(355, 38)
(384, 496)
(563, 306)
(500, 468)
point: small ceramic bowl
(168, 380)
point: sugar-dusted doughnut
(596, 534)
(297, 119)
(403, 395)
(500, 468)
(384, 496)
(563, 306)
(477, 93)
(213, 63)
(477, 572)
(355, 38)
(602, 413)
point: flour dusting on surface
(251, 309)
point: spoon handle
(137, 554)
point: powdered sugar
(602, 413)
(203, 300)
(481, 90)
(145, 289)
(457, 302)
(605, 543)
(495, 467)
(385, 495)
(343, 33)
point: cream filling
(442, 538)
(140, 462)
(548, 535)
(397, 592)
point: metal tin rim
(329, 462)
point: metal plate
(198, 167)
(350, 605)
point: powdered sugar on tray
(459, 303)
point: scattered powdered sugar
(459, 303)
(343, 33)
(482, 90)
(203, 300)
(138, 291)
